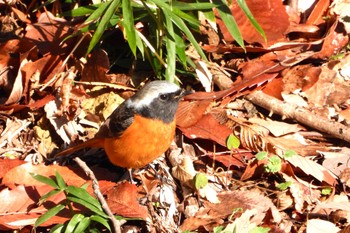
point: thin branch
(115, 223)
(301, 115)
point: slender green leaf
(48, 195)
(230, 22)
(98, 12)
(182, 26)
(180, 48)
(45, 180)
(101, 220)
(73, 222)
(82, 10)
(112, 7)
(49, 214)
(83, 225)
(81, 193)
(248, 13)
(57, 228)
(128, 23)
(87, 205)
(176, 11)
(60, 181)
(171, 50)
(196, 6)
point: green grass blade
(182, 26)
(128, 23)
(196, 6)
(60, 181)
(87, 205)
(84, 195)
(48, 195)
(173, 10)
(243, 5)
(230, 22)
(82, 11)
(98, 12)
(57, 228)
(101, 220)
(83, 225)
(171, 50)
(180, 47)
(114, 5)
(73, 222)
(49, 214)
(45, 180)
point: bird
(140, 129)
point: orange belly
(141, 143)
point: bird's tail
(95, 142)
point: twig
(301, 115)
(115, 223)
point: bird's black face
(157, 100)
(163, 107)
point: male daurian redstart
(141, 128)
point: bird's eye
(164, 97)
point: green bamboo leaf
(196, 6)
(87, 205)
(98, 12)
(112, 7)
(243, 5)
(175, 11)
(81, 193)
(101, 220)
(82, 225)
(82, 10)
(49, 214)
(48, 195)
(128, 23)
(45, 180)
(180, 48)
(57, 228)
(182, 26)
(230, 22)
(61, 183)
(171, 50)
(73, 222)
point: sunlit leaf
(232, 142)
(49, 214)
(73, 222)
(128, 24)
(82, 225)
(45, 180)
(230, 23)
(101, 220)
(248, 13)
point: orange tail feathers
(95, 142)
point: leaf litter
(289, 92)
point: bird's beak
(185, 92)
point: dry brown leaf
(214, 213)
(122, 200)
(208, 128)
(276, 16)
(313, 169)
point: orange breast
(141, 143)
